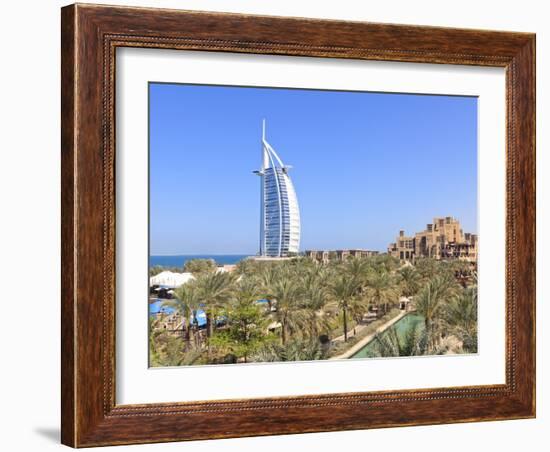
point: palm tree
(315, 297)
(267, 277)
(199, 266)
(357, 268)
(412, 343)
(427, 268)
(155, 352)
(303, 350)
(289, 310)
(344, 288)
(246, 323)
(431, 300)
(410, 281)
(294, 350)
(381, 287)
(461, 318)
(186, 304)
(214, 290)
(248, 267)
(387, 262)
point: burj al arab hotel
(279, 212)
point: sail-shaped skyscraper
(279, 212)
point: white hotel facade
(279, 211)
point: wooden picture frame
(90, 36)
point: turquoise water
(403, 326)
(156, 307)
(181, 259)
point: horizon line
(256, 254)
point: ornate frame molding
(90, 36)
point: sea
(180, 259)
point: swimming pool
(158, 307)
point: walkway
(351, 333)
(356, 347)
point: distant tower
(279, 212)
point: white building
(280, 214)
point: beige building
(325, 256)
(403, 248)
(442, 239)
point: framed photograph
(282, 225)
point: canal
(402, 327)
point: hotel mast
(279, 212)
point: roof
(170, 279)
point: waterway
(402, 327)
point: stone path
(358, 329)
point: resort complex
(420, 298)
(300, 309)
(279, 212)
(326, 256)
(442, 239)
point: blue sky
(364, 165)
